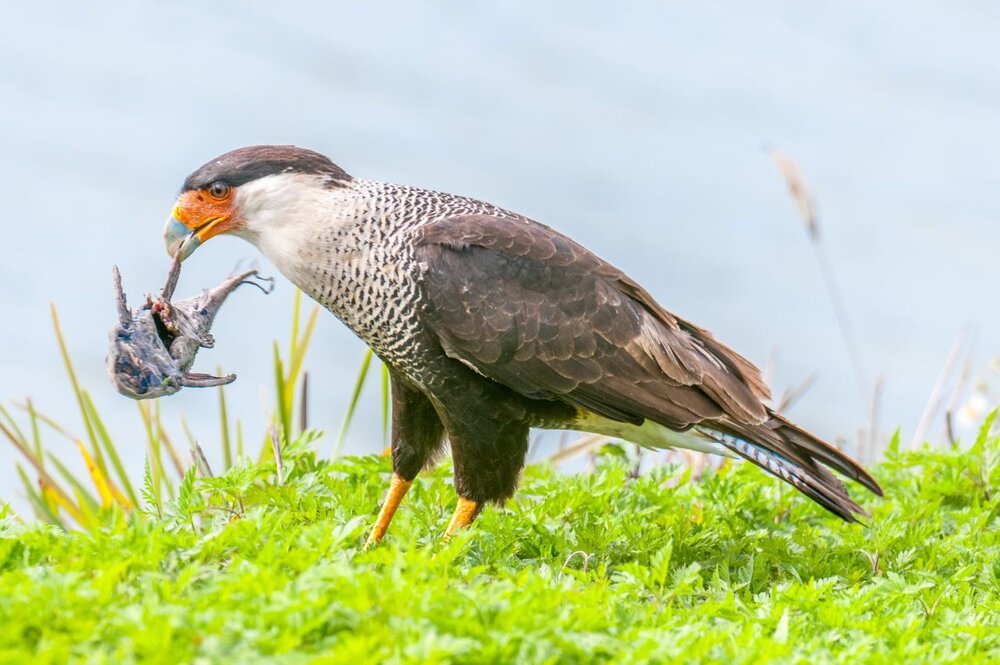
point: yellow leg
(465, 512)
(397, 490)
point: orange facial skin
(207, 214)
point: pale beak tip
(179, 239)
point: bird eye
(218, 190)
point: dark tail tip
(801, 460)
(820, 451)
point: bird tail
(797, 457)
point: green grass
(583, 568)
(262, 562)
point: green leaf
(781, 631)
(984, 433)
(359, 384)
(151, 490)
(227, 450)
(109, 447)
(284, 410)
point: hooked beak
(180, 240)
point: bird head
(246, 191)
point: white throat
(287, 215)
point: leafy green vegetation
(263, 560)
(583, 568)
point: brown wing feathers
(539, 313)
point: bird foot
(466, 512)
(398, 487)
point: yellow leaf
(121, 499)
(100, 480)
(58, 499)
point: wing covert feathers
(531, 309)
(536, 311)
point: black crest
(252, 162)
